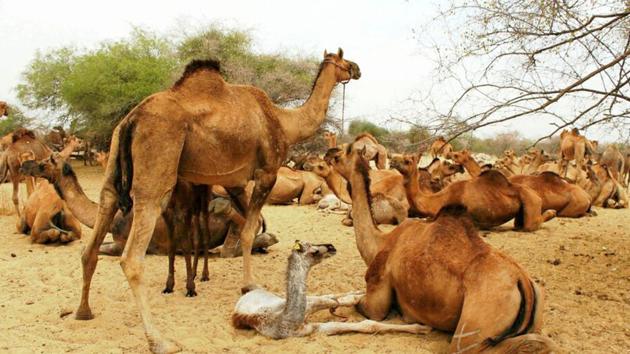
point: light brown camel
(625, 180)
(440, 148)
(306, 186)
(490, 198)
(442, 172)
(22, 141)
(331, 139)
(442, 274)
(388, 194)
(374, 151)
(71, 143)
(102, 157)
(613, 158)
(464, 158)
(604, 189)
(276, 317)
(56, 138)
(574, 146)
(217, 133)
(4, 109)
(569, 200)
(45, 217)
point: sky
(378, 35)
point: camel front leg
(264, 181)
(322, 302)
(73, 225)
(368, 326)
(106, 210)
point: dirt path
(584, 265)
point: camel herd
(227, 157)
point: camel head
(312, 254)
(4, 109)
(50, 168)
(345, 70)
(331, 139)
(460, 157)
(404, 163)
(337, 158)
(102, 157)
(317, 165)
(73, 140)
(509, 153)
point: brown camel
(613, 158)
(464, 158)
(442, 172)
(604, 189)
(440, 148)
(574, 146)
(388, 194)
(4, 109)
(22, 141)
(490, 198)
(625, 180)
(101, 157)
(56, 138)
(306, 186)
(217, 133)
(569, 200)
(331, 139)
(375, 151)
(442, 274)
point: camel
(101, 158)
(390, 201)
(45, 217)
(464, 158)
(4, 109)
(569, 200)
(574, 146)
(625, 180)
(442, 172)
(375, 151)
(22, 141)
(442, 274)
(56, 138)
(613, 158)
(217, 133)
(331, 139)
(71, 143)
(490, 198)
(604, 189)
(278, 318)
(440, 148)
(306, 186)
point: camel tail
(525, 318)
(123, 171)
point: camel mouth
(355, 71)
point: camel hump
(495, 177)
(22, 133)
(197, 65)
(551, 177)
(456, 210)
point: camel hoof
(84, 315)
(204, 278)
(191, 293)
(163, 347)
(167, 291)
(549, 214)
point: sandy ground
(584, 265)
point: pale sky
(375, 34)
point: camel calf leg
(368, 326)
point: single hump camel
(331, 139)
(442, 274)
(277, 318)
(465, 159)
(217, 133)
(613, 158)
(574, 146)
(306, 186)
(490, 198)
(374, 151)
(21, 141)
(440, 148)
(388, 194)
(4, 109)
(46, 217)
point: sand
(584, 265)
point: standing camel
(217, 133)
(4, 109)
(574, 146)
(22, 141)
(442, 274)
(440, 147)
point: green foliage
(360, 126)
(91, 90)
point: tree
(514, 59)
(14, 120)
(363, 126)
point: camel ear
(340, 53)
(297, 246)
(364, 151)
(325, 53)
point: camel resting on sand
(490, 198)
(481, 295)
(306, 186)
(277, 318)
(388, 194)
(613, 158)
(373, 150)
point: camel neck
(301, 123)
(366, 232)
(294, 312)
(428, 205)
(338, 184)
(67, 151)
(472, 167)
(412, 188)
(80, 205)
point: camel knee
(132, 269)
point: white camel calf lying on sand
(275, 317)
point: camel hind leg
(531, 216)
(368, 326)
